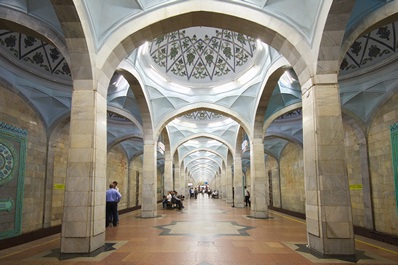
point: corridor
(206, 232)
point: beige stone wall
(15, 111)
(271, 166)
(57, 165)
(292, 178)
(353, 164)
(248, 178)
(116, 170)
(135, 172)
(381, 172)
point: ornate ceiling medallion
(202, 54)
(202, 115)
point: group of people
(113, 197)
(193, 192)
(173, 200)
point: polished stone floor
(206, 232)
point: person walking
(247, 197)
(112, 199)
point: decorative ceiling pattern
(371, 49)
(202, 115)
(202, 53)
(37, 54)
(202, 58)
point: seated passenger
(177, 202)
(166, 200)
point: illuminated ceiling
(196, 66)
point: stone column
(168, 171)
(83, 224)
(238, 174)
(328, 206)
(259, 180)
(238, 180)
(229, 179)
(149, 181)
(179, 185)
(223, 188)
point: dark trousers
(247, 200)
(111, 213)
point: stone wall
(15, 111)
(380, 165)
(271, 167)
(292, 178)
(116, 170)
(56, 169)
(136, 166)
(353, 165)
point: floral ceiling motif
(202, 54)
(371, 49)
(40, 55)
(202, 115)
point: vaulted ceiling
(197, 66)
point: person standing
(116, 188)
(247, 197)
(112, 199)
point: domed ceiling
(202, 55)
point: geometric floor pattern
(206, 232)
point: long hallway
(206, 232)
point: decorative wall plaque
(12, 174)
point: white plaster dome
(202, 56)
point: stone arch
(263, 103)
(203, 106)
(328, 61)
(122, 139)
(80, 62)
(285, 137)
(201, 149)
(385, 14)
(204, 158)
(206, 135)
(277, 114)
(291, 44)
(20, 22)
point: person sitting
(215, 194)
(177, 202)
(167, 200)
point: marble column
(168, 171)
(328, 206)
(259, 180)
(223, 185)
(238, 174)
(149, 181)
(229, 179)
(179, 185)
(83, 224)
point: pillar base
(259, 214)
(331, 246)
(82, 244)
(239, 205)
(149, 214)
